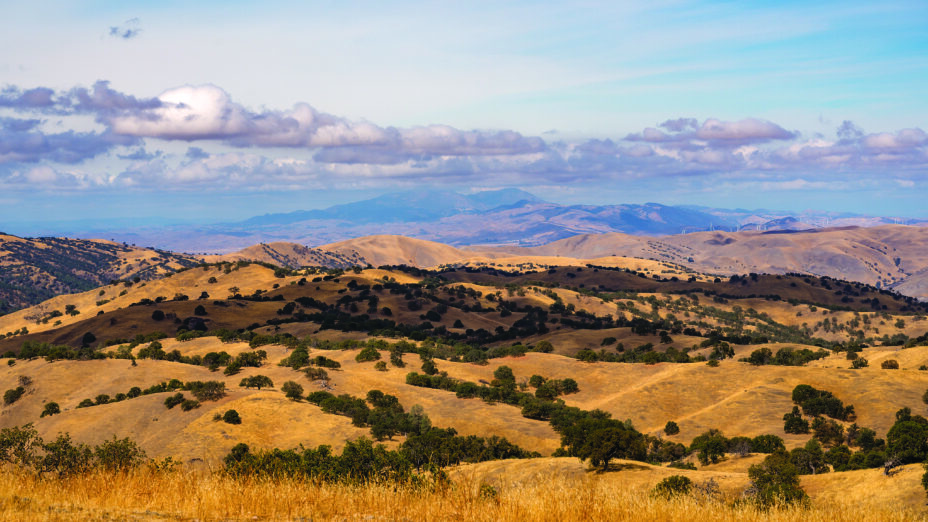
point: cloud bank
(101, 137)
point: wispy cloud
(127, 30)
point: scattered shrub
(119, 454)
(51, 408)
(367, 354)
(13, 395)
(257, 381)
(174, 400)
(672, 486)
(292, 390)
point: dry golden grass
(190, 282)
(738, 398)
(187, 495)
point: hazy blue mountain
(403, 207)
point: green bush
(257, 381)
(189, 404)
(429, 368)
(673, 486)
(367, 354)
(231, 417)
(13, 395)
(207, 391)
(292, 390)
(671, 428)
(710, 447)
(316, 374)
(63, 457)
(174, 400)
(119, 454)
(51, 408)
(776, 480)
(18, 445)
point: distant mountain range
(508, 217)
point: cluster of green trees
(382, 413)
(544, 388)
(23, 447)
(644, 353)
(178, 399)
(620, 438)
(55, 352)
(816, 402)
(785, 356)
(711, 446)
(202, 390)
(906, 443)
(13, 394)
(362, 460)
(257, 381)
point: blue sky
(223, 110)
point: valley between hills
(709, 355)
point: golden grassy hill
(735, 397)
(398, 250)
(492, 309)
(289, 255)
(738, 398)
(33, 270)
(216, 281)
(892, 255)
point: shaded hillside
(33, 270)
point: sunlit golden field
(143, 495)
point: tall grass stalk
(143, 494)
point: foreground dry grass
(186, 495)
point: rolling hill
(33, 270)
(634, 340)
(889, 256)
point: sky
(159, 112)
